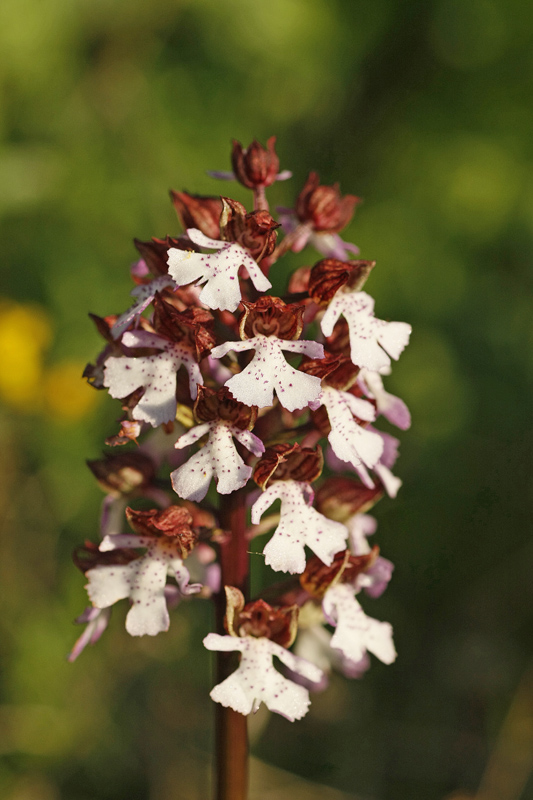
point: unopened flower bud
(323, 206)
(291, 462)
(256, 165)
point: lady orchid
(229, 397)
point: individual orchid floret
(144, 295)
(349, 440)
(259, 632)
(314, 645)
(372, 340)
(254, 166)
(347, 413)
(157, 374)
(168, 538)
(219, 271)
(319, 214)
(257, 681)
(269, 327)
(392, 407)
(222, 419)
(356, 633)
(300, 525)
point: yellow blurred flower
(66, 395)
(25, 332)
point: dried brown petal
(335, 370)
(192, 327)
(288, 462)
(256, 165)
(174, 521)
(330, 275)
(323, 206)
(198, 211)
(317, 578)
(129, 431)
(155, 252)
(299, 280)
(270, 316)
(234, 605)
(123, 473)
(211, 405)
(259, 619)
(339, 498)
(255, 231)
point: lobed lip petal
(300, 526)
(256, 680)
(392, 407)
(351, 442)
(143, 581)
(219, 271)
(355, 632)
(372, 340)
(269, 372)
(218, 459)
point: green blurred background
(422, 108)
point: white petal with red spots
(257, 681)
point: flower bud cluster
(227, 389)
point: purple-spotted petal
(269, 372)
(219, 271)
(257, 681)
(142, 580)
(156, 374)
(356, 633)
(300, 525)
(372, 340)
(218, 459)
(350, 441)
(392, 407)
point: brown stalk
(231, 731)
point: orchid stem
(231, 728)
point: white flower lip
(219, 271)
(355, 632)
(300, 525)
(156, 373)
(366, 332)
(218, 459)
(351, 442)
(142, 580)
(256, 680)
(269, 372)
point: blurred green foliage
(420, 107)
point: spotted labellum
(250, 414)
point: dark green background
(421, 108)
